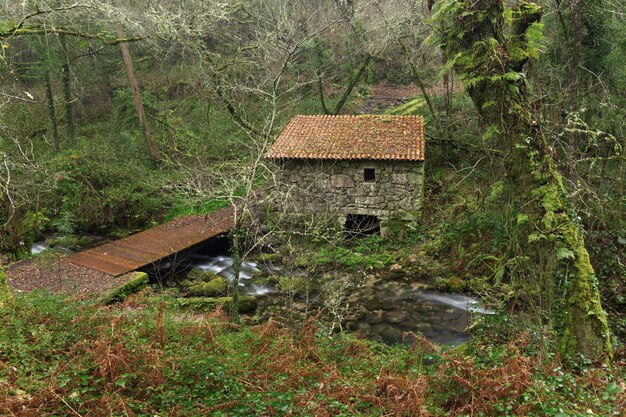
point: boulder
(215, 287)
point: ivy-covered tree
(489, 44)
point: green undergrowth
(185, 209)
(60, 356)
(366, 252)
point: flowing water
(386, 311)
(381, 310)
(39, 247)
(391, 310)
(66, 244)
(252, 275)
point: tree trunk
(490, 65)
(354, 80)
(575, 51)
(51, 111)
(67, 93)
(134, 85)
(237, 260)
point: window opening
(369, 175)
(362, 225)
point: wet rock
(388, 304)
(374, 317)
(372, 304)
(422, 327)
(395, 317)
(396, 271)
(364, 327)
(247, 304)
(391, 335)
(389, 309)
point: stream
(252, 276)
(67, 244)
(381, 310)
(39, 247)
(387, 310)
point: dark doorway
(362, 225)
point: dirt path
(50, 272)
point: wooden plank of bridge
(144, 248)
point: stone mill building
(364, 170)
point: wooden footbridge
(144, 248)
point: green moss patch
(213, 288)
(269, 257)
(291, 284)
(137, 282)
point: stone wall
(338, 187)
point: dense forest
(116, 117)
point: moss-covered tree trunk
(488, 46)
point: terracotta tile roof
(351, 137)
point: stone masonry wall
(338, 187)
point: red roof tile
(351, 137)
